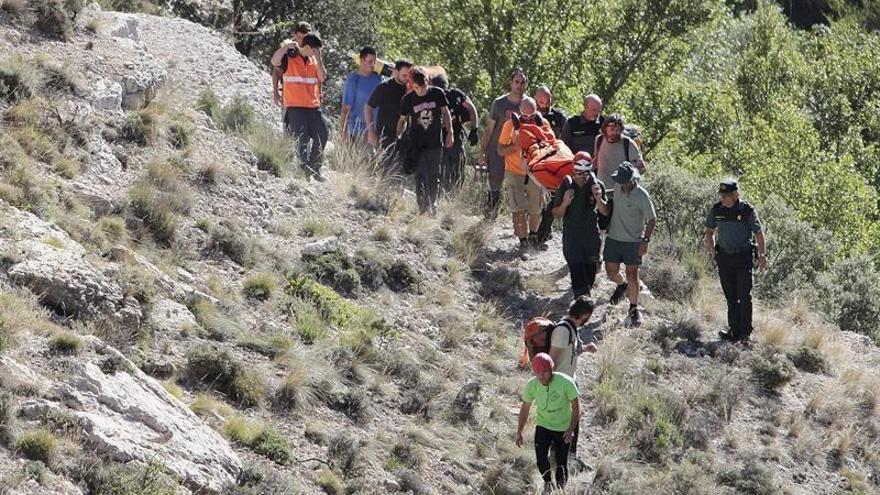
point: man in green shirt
(558, 412)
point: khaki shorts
(523, 197)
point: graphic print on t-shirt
(425, 114)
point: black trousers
(452, 168)
(583, 276)
(544, 439)
(735, 271)
(310, 129)
(427, 179)
(546, 228)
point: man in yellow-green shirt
(558, 412)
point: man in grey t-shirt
(632, 223)
(501, 110)
(613, 148)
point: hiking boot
(635, 316)
(536, 243)
(618, 293)
(727, 336)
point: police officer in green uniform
(577, 201)
(734, 237)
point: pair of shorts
(523, 196)
(622, 252)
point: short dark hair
(581, 306)
(367, 50)
(302, 27)
(518, 70)
(402, 63)
(313, 41)
(614, 118)
(439, 81)
(418, 76)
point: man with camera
(578, 201)
(300, 70)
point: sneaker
(635, 316)
(725, 336)
(618, 293)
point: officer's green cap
(728, 186)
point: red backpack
(537, 338)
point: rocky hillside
(181, 312)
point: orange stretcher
(549, 159)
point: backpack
(537, 337)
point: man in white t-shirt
(566, 345)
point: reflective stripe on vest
(302, 88)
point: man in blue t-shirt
(359, 85)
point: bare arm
(575, 419)
(523, 417)
(447, 124)
(276, 79)
(401, 125)
(322, 72)
(649, 228)
(762, 251)
(709, 240)
(487, 135)
(555, 352)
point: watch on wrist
(646, 239)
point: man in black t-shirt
(580, 130)
(556, 117)
(462, 110)
(382, 129)
(421, 112)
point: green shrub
(210, 104)
(334, 308)
(753, 478)
(238, 116)
(180, 134)
(849, 293)
(234, 244)
(307, 320)
(772, 370)
(130, 478)
(269, 346)
(372, 268)
(38, 445)
(653, 426)
(65, 343)
(149, 205)
(684, 199)
(345, 452)
(335, 269)
(808, 359)
(401, 277)
(55, 17)
(668, 279)
(18, 80)
(259, 287)
(354, 403)
(331, 483)
(270, 444)
(407, 453)
(216, 369)
(262, 480)
(216, 324)
(274, 152)
(797, 252)
(141, 127)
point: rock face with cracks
(129, 416)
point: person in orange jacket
(300, 69)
